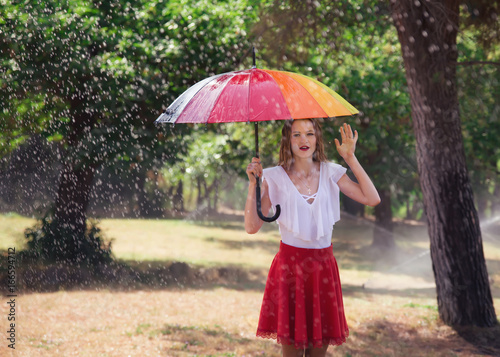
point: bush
(49, 241)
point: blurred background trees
(124, 63)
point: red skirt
(302, 302)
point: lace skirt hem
(283, 340)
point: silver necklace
(307, 186)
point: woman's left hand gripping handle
(254, 169)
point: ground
(389, 301)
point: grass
(389, 299)
(193, 242)
(12, 228)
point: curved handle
(259, 209)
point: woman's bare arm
(252, 220)
(363, 191)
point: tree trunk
(178, 199)
(199, 199)
(383, 236)
(412, 208)
(206, 195)
(427, 31)
(352, 207)
(495, 203)
(73, 198)
(408, 209)
(142, 199)
(482, 204)
(216, 194)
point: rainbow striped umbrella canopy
(256, 95)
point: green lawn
(226, 243)
(12, 228)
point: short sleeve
(336, 171)
(274, 184)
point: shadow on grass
(157, 275)
(35, 277)
(32, 277)
(379, 337)
(212, 341)
(485, 340)
(387, 338)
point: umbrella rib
(281, 94)
(216, 100)
(248, 98)
(175, 109)
(209, 109)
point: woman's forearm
(252, 220)
(365, 184)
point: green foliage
(479, 90)
(294, 31)
(481, 17)
(48, 241)
(211, 163)
(116, 62)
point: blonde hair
(286, 155)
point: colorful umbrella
(255, 95)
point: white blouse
(303, 224)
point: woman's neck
(304, 167)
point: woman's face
(303, 140)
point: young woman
(302, 306)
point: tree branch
(471, 63)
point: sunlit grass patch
(431, 307)
(191, 242)
(12, 228)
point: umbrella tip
(253, 56)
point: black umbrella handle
(259, 205)
(257, 187)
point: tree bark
(427, 32)
(495, 203)
(216, 194)
(75, 184)
(73, 198)
(199, 200)
(352, 207)
(178, 199)
(383, 236)
(142, 199)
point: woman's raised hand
(254, 169)
(349, 139)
